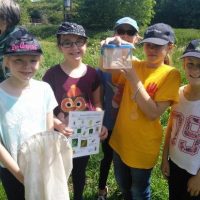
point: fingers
(104, 133)
(193, 192)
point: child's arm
(165, 163)
(96, 95)
(10, 163)
(50, 121)
(98, 105)
(194, 185)
(149, 107)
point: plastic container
(117, 57)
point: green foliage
(25, 18)
(178, 13)
(103, 13)
(46, 32)
(46, 11)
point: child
(77, 87)
(9, 18)
(182, 134)
(26, 106)
(127, 29)
(150, 87)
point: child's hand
(194, 185)
(115, 40)
(165, 168)
(20, 177)
(62, 128)
(104, 133)
(128, 73)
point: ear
(171, 46)
(184, 63)
(5, 62)
(59, 48)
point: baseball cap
(21, 42)
(193, 49)
(67, 28)
(127, 20)
(159, 34)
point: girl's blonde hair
(168, 57)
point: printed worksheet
(86, 127)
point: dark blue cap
(193, 49)
(159, 34)
(67, 28)
(21, 42)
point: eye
(80, 103)
(34, 61)
(67, 105)
(189, 65)
(80, 42)
(18, 61)
(66, 44)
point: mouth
(194, 77)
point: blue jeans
(134, 183)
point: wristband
(136, 93)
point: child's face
(127, 33)
(2, 26)
(192, 69)
(22, 67)
(73, 47)
(155, 54)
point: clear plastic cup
(117, 56)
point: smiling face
(73, 47)
(22, 67)
(192, 70)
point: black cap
(21, 42)
(67, 28)
(159, 34)
(193, 49)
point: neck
(17, 84)
(194, 88)
(71, 65)
(154, 65)
(75, 71)
(192, 92)
(14, 86)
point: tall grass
(52, 57)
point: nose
(25, 64)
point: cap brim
(117, 25)
(157, 41)
(24, 53)
(191, 54)
(71, 33)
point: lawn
(52, 56)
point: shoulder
(52, 72)
(40, 84)
(53, 69)
(91, 69)
(34, 82)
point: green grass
(52, 57)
